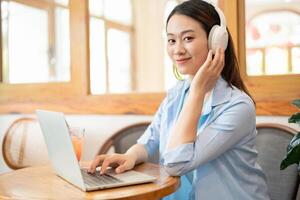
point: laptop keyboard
(97, 180)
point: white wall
(98, 129)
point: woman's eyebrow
(181, 33)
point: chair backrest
(272, 141)
(23, 144)
(125, 138)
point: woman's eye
(188, 39)
(171, 41)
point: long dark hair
(207, 16)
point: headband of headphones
(220, 13)
(222, 17)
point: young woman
(205, 127)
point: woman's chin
(184, 72)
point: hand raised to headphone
(207, 75)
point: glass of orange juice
(77, 136)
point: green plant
(293, 149)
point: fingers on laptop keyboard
(106, 163)
(96, 162)
(122, 168)
(114, 161)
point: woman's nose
(179, 49)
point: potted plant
(293, 149)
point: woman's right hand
(122, 162)
(210, 71)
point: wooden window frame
(109, 24)
(17, 95)
(74, 96)
(11, 92)
(49, 7)
(272, 94)
(288, 48)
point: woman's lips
(182, 61)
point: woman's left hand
(207, 75)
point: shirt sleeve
(234, 123)
(150, 138)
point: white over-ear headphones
(218, 35)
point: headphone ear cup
(218, 37)
(211, 36)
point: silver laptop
(64, 161)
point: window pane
(120, 13)
(31, 52)
(4, 26)
(274, 37)
(27, 44)
(296, 60)
(96, 7)
(254, 62)
(62, 2)
(119, 61)
(97, 56)
(62, 45)
(276, 61)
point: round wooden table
(42, 183)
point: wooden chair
(23, 144)
(123, 139)
(272, 140)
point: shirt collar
(221, 93)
